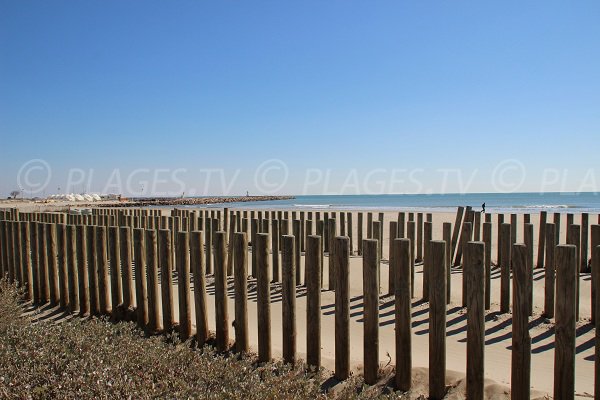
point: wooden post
(402, 260)
(197, 265)
(230, 245)
(43, 257)
(221, 312)
(574, 238)
(298, 249)
(127, 273)
(447, 237)
(141, 291)
(583, 247)
(288, 293)
(341, 255)
(371, 308)
(92, 254)
(557, 228)
(275, 249)
(10, 251)
(263, 295)
(52, 264)
(499, 241)
(102, 267)
(594, 275)
(350, 232)
(513, 228)
(82, 270)
(487, 240)
(410, 233)
(465, 237)
(528, 235)
(401, 225)
(63, 284)
(596, 299)
(541, 239)
(208, 243)
(369, 225)
(154, 323)
(437, 321)
(474, 271)
(477, 227)
(427, 237)
(564, 355)
(359, 233)
(505, 268)
(35, 259)
(165, 255)
(114, 248)
(549, 276)
(71, 269)
(332, 257)
(313, 300)
(419, 237)
(26, 260)
(521, 341)
(183, 279)
(457, 227)
(241, 291)
(253, 232)
(391, 265)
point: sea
(494, 202)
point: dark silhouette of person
(483, 208)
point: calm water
(503, 202)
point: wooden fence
(126, 262)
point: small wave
(546, 206)
(312, 205)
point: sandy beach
(497, 325)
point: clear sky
(299, 96)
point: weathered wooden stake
(165, 255)
(437, 321)
(402, 260)
(474, 271)
(154, 322)
(241, 291)
(221, 314)
(521, 341)
(505, 268)
(371, 308)
(263, 297)
(82, 270)
(342, 308)
(487, 240)
(564, 355)
(313, 300)
(141, 290)
(288, 293)
(127, 273)
(197, 260)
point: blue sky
(299, 97)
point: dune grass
(94, 358)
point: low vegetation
(95, 358)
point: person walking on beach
(483, 208)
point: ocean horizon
(495, 202)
